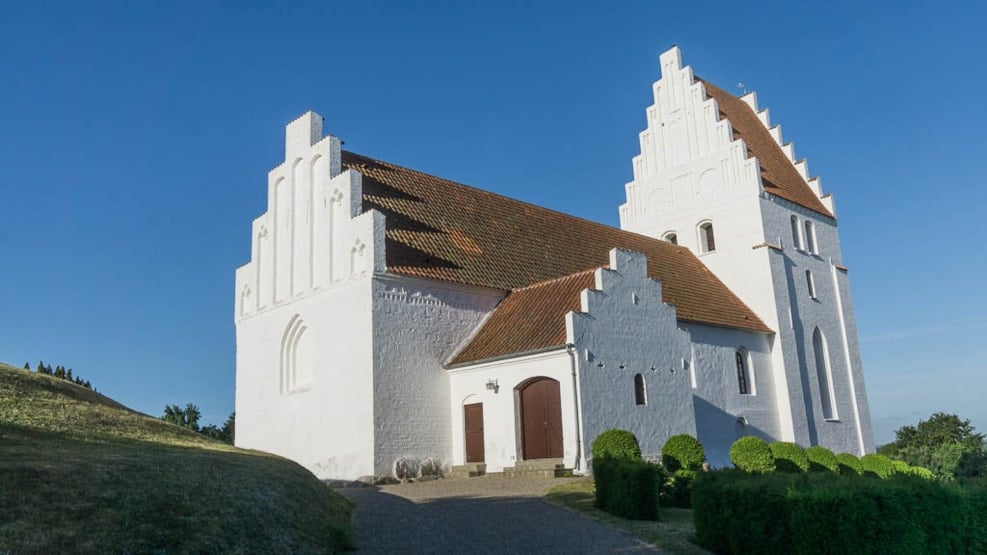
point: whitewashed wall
(831, 311)
(624, 328)
(303, 313)
(723, 414)
(502, 443)
(417, 325)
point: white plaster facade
(342, 365)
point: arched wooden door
(541, 419)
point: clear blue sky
(135, 139)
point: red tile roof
(528, 319)
(442, 230)
(778, 174)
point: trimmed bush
(627, 488)
(876, 466)
(821, 459)
(789, 457)
(920, 472)
(848, 464)
(825, 512)
(677, 490)
(752, 454)
(616, 444)
(682, 452)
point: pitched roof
(439, 229)
(528, 319)
(778, 174)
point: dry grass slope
(80, 472)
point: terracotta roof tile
(778, 174)
(439, 229)
(528, 319)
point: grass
(674, 533)
(80, 472)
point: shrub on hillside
(848, 464)
(627, 488)
(682, 452)
(877, 466)
(752, 454)
(616, 444)
(789, 457)
(800, 513)
(821, 459)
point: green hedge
(616, 444)
(752, 454)
(848, 464)
(736, 512)
(821, 459)
(682, 452)
(876, 466)
(627, 488)
(789, 457)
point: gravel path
(490, 514)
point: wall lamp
(492, 385)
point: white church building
(387, 314)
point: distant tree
(229, 428)
(187, 417)
(27, 366)
(945, 444)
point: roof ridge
(543, 283)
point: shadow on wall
(799, 332)
(718, 429)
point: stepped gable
(442, 230)
(528, 319)
(778, 173)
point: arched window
(811, 283)
(671, 237)
(796, 232)
(824, 374)
(707, 243)
(743, 372)
(640, 394)
(810, 237)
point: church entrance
(541, 419)
(474, 432)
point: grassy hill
(81, 472)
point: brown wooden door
(474, 433)
(541, 420)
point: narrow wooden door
(541, 419)
(474, 433)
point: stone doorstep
(545, 468)
(471, 470)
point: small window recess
(796, 232)
(745, 378)
(810, 238)
(671, 237)
(707, 239)
(811, 283)
(640, 391)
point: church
(390, 317)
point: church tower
(715, 176)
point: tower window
(707, 242)
(743, 372)
(810, 238)
(824, 374)
(671, 237)
(640, 394)
(796, 232)
(810, 283)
